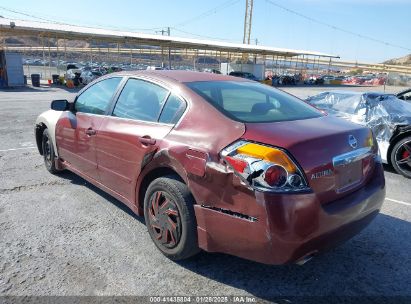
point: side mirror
(60, 105)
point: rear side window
(96, 99)
(140, 100)
(253, 102)
(173, 109)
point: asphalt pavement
(59, 235)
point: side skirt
(131, 205)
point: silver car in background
(387, 116)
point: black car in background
(405, 95)
(286, 80)
(246, 75)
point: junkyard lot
(59, 235)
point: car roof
(404, 91)
(355, 92)
(182, 76)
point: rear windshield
(252, 101)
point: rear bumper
(288, 228)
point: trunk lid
(321, 146)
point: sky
(357, 30)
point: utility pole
(169, 50)
(255, 56)
(248, 16)
(247, 21)
(163, 31)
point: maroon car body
(124, 156)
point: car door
(128, 138)
(76, 130)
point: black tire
(401, 157)
(175, 206)
(48, 152)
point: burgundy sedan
(218, 163)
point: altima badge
(352, 141)
(324, 173)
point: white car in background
(73, 73)
(388, 117)
(89, 76)
(154, 68)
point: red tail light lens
(276, 176)
(237, 164)
(264, 167)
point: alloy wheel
(47, 152)
(403, 157)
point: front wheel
(170, 219)
(48, 153)
(401, 157)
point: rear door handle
(90, 131)
(147, 140)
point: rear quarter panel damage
(192, 150)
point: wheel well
(39, 136)
(394, 142)
(152, 175)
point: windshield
(253, 102)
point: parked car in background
(89, 76)
(388, 117)
(100, 70)
(218, 163)
(317, 80)
(328, 78)
(405, 95)
(73, 74)
(286, 80)
(154, 68)
(72, 66)
(214, 71)
(245, 75)
(365, 80)
(114, 69)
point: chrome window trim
(156, 123)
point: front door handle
(90, 132)
(147, 140)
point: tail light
(264, 167)
(373, 144)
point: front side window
(96, 99)
(253, 102)
(140, 100)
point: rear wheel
(170, 219)
(48, 152)
(401, 157)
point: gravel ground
(59, 235)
